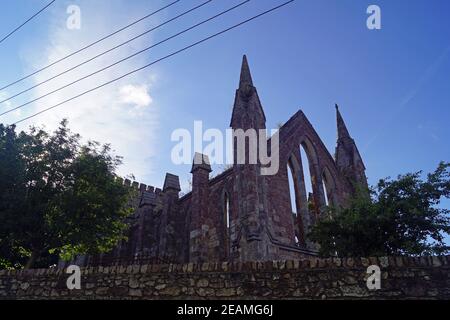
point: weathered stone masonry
(335, 278)
(242, 215)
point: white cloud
(135, 95)
(103, 115)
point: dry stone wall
(401, 278)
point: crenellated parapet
(154, 224)
(137, 185)
(148, 194)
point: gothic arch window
(297, 199)
(227, 217)
(306, 166)
(327, 201)
(227, 223)
(292, 187)
(309, 162)
(329, 187)
(304, 180)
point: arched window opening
(306, 163)
(292, 191)
(328, 187)
(297, 199)
(227, 212)
(327, 201)
(226, 224)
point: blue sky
(392, 84)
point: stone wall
(402, 278)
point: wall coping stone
(255, 266)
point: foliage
(57, 196)
(402, 217)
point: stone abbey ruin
(237, 235)
(241, 215)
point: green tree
(12, 172)
(402, 217)
(59, 197)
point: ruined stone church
(241, 215)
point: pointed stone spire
(347, 157)
(246, 77)
(247, 110)
(341, 127)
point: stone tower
(249, 185)
(201, 225)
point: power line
(156, 61)
(29, 19)
(111, 49)
(89, 45)
(124, 59)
